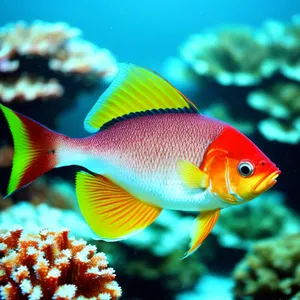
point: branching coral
(51, 265)
(240, 56)
(81, 57)
(270, 271)
(282, 103)
(40, 38)
(230, 56)
(283, 42)
(52, 56)
(29, 88)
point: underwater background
(238, 61)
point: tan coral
(39, 38)
(270, 271)
(81, 57)
(56, 46)
(230, 56)
(6, 155)
(53, 266)
(5, 203)
(29, 88)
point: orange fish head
(246, 179)
(238, 170)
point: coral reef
(283, 43)
(206, 289)
(56, 192)
(230, 56)
(41, 61)
(157, 252)
(241, 226)
(41, 38)
(282, 103)
(270, 271)
(82, 57)
(169, 233)
(241, 56)
(32, 218)
(154, 265)
(51, 265)
(29, 88)
(59, 43)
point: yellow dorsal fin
(203, 225)
(135, 90)
(111, 212)
(191, 175)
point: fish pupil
(245, 170)
(51, 151)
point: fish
(148, 149)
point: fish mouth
(266, 182)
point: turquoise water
(238, 62)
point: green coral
(230, 56)
(241, 226)
(270, 271)
(241, 56)
(283, 42)
(282, 103)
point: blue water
(146, 33)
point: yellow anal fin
(191, 175)
(134, 90)
(111, 212)
(203, 225)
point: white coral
(43, 216)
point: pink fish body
(140, 156)
(151, 150)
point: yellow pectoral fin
(203, 225)
(191, 175)
(111, 212)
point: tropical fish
(150, 150)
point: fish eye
(245, 168)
